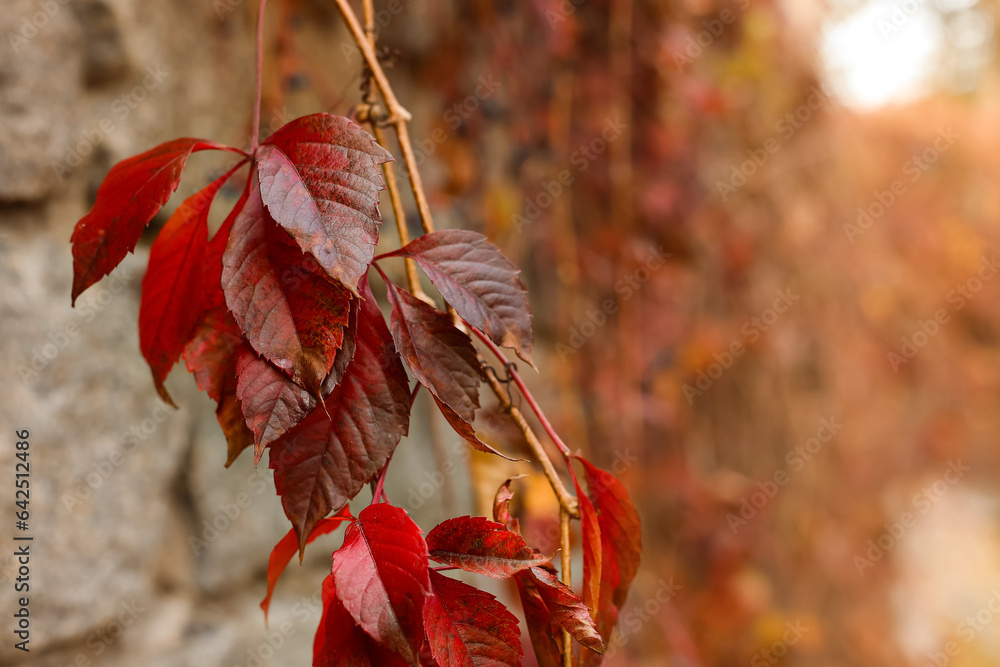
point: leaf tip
(162, 392)
(525, 356)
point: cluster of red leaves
(274, 317)
(385, 605)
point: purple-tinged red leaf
(325, 461)
(272, 403)
(283, 551)
(211, 357)
(468, 627)
(131, 194)
(340, 642)
(438, 355)
(211, 353)
(382, 578)
(479, 282)
(291, 315)
(345, 355)
(172, 288)
(464, 429)
(320, 179)
(565, 609)
(476, 544)
(229, 414)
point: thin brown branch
(410, 160)
(412, 278)
(398, 117)
(397, 113)
(255, 130)
(566, 579)
(369, 14)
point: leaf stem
(524, 391)
(255, 130)
(378, 495)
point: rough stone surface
(104, 450)
(237, 518)
(39, 87)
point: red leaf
(272, 404)
(172, 287)
(211, 357)
(476, 544)
(213, 295)
(464, 429)
(621, 542)
(479, 282)
(619, 522)
(382, 577)
(440, 356)
(501, 507)
(466, 626)
(590, 530)
(607, 610)
(211, 354)
(565, 609)
(324, 461)
(288, 545)
(230, 415)
(340, 642)
(345, 355)
(320, 179)
(546, 636)
(131, 194)
(291, 316)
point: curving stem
(516, 377)
(255, 130)
(567, 501)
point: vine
(274, 316)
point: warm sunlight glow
(882, 54)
